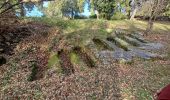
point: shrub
(80, 17)
(93, 16)
(118, 16)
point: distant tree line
(100, 9)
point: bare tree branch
(10, 7)
(4, 4)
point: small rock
(8, 43)
(1, 50)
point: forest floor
(49, 62)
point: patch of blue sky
(86, 10)
(45, 4)
(36, 12)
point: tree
(135, 5)
(69, 8)
(122, 8)
(156, 7)
(17, 5)
(167, 10)
(103, 8)
(8, 5)
(65, 8)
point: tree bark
(133, 13)
(129, 14)
(133, 9)
(149, 26)
(151, 19)
(3, 5)
(10, 7)
(22, 11)
(97, 13)
(72, 14)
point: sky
(36, 13)
(86, 10)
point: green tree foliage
(167, 10)
(6, 5)
(104, 8)
(19, 6)
(121, 10)
(122, 4)
(110, 9)
(64, 8)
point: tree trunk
(151, 19)
(72, 14)
(149, 26)
(62, 15)
(97, 13)
(132, 9)
(129, 14)
(22, 11)
(133, 13)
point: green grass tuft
(53, 60)
(74, 58)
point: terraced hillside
(87, 59)
(121, 47)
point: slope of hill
(58, 59)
